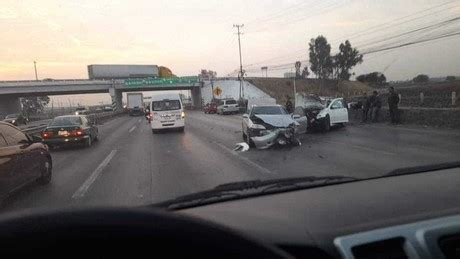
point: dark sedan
(23, 159)
(71, 129)
(15, 119)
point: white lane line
(80, 193)
(244, 159)
(139, 120)
(363, 148)
(131, 129)
(142, 130)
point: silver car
(265, 126)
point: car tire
(46, 172)
(326, 124)
(89, 142)
(249, 141)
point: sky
(63, 37)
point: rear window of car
(269, 110)
(66, 121)
(230, 102)
(166, 105)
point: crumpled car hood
(279, 121)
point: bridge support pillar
(117, 99)
(196, 98)
(9, 104)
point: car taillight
(47, 134)
(182, 115)
(79, 132)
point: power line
(377, 26)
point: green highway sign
(161, 81)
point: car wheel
(249, 141)
(326, 124)
(89, 142)
(46, 172)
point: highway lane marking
(363, 148)
(244, 159)
(80, 193)
(131, 129)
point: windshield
(170, 98)
(66, 121)
(268, 110)
(166, 105)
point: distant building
(122, 71)
(289, 75)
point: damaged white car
(323, 112)
(265, 126)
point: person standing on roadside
(288, 105)
(376, 104)
(393, 101)
(366, 106)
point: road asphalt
(131, 166)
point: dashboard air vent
(389, 249)
(450, 246)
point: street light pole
(238, 26)
(35, 67)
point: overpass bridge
(11, 91)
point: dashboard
(406, 216)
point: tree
(451, 78)
(421, 78)
(207, 74)
(297, 69)
(374, 78)
(320, 57)
(305, 72)
(33, 105)
(345, 60)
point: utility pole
(238, 26)
(35, 67)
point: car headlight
(14, 121)
(76, 113)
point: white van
(166, 112)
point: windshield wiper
(423, 168)
(245, 189)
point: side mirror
(295, 116)
(245, 116)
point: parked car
(23, 159)
(81, 111)
(210, 108)
(265, 126)
(227, 106)
(322, 113)
(108, 108)
(70, 129)
(16, 119)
